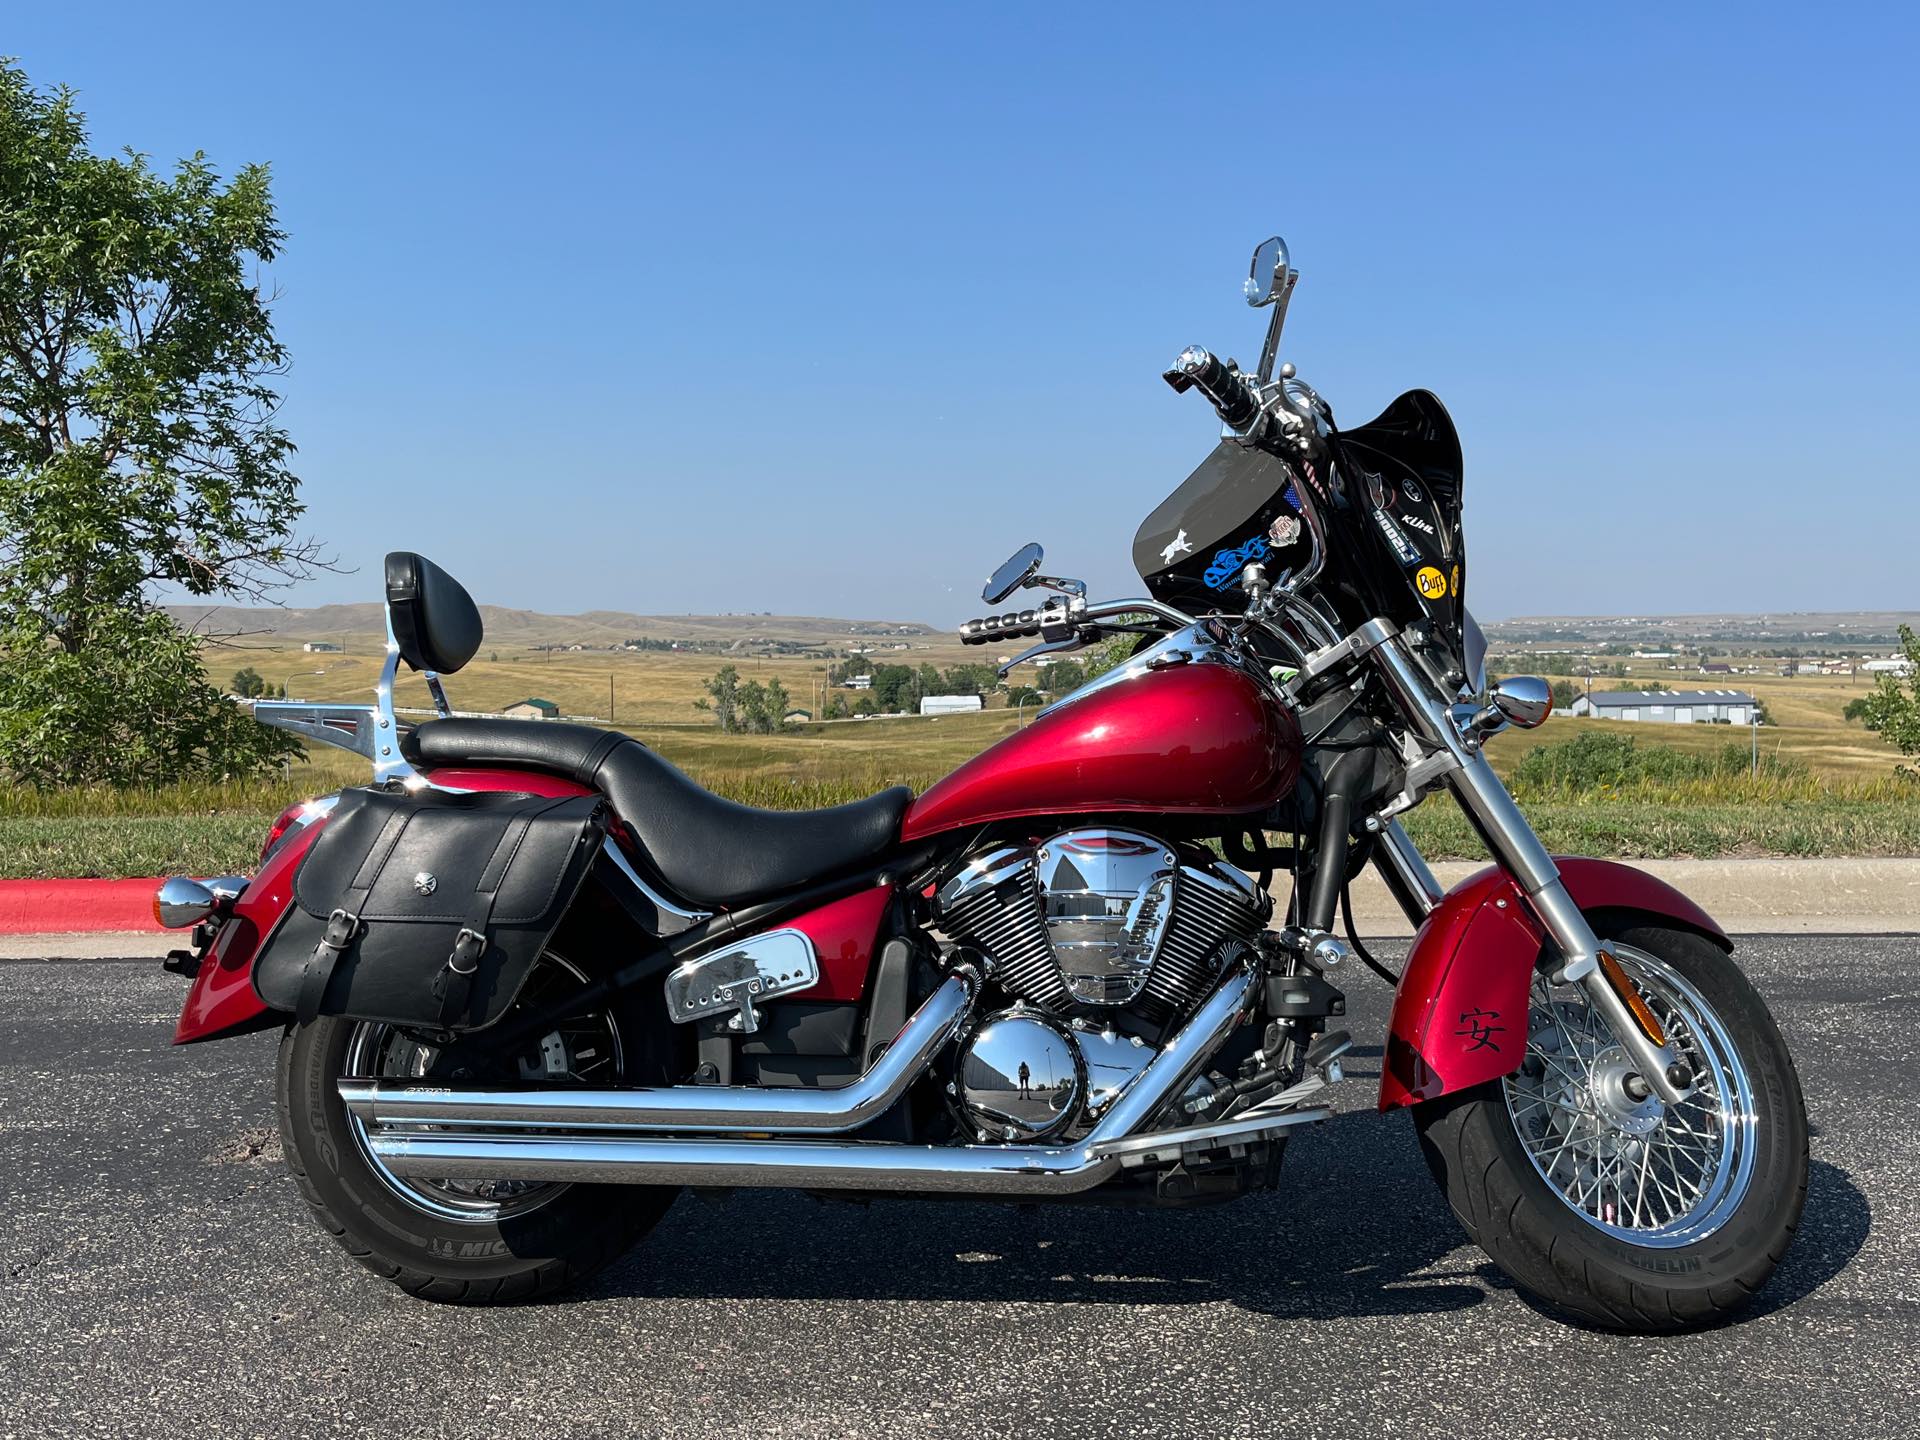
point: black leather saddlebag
(427, 909)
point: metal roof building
(1668, 707)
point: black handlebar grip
(1226, 388)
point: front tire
(1621, 1213)
(466, 1243)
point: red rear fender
(222, 1001)
(1460, 1014)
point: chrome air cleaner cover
(1106, 897)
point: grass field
(1826, 786)
(641, 688)
(1791, 809)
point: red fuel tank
(1201, 738)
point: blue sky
(824, 309)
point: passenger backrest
(434, 620)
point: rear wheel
(1603, 1202)
(464, 1241)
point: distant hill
(1815, 628)
(517, 628)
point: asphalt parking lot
(161, 1276)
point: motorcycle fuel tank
(1198, 738)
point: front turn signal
(1631, 997)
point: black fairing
(1237, 507)
(1390, 499)
(1397, 514)
(435, 622)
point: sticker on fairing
(1402, 546)
(1228, 563)
(1431, 583)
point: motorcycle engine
(1085, 927)
(1102, 918)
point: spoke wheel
(1605, 1205)
(1651, 1174)
(579, 1050)
(466, 1242)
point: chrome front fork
(1520, 853)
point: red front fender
(1460, 1014)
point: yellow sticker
(1431, 583)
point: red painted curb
(30, 907)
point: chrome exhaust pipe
(683, 1109)
(834, 1165)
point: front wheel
(1618, 1211)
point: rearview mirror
(1020, 568)
(1268, 276)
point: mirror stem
(1270, 351)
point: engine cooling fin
(995, 904)
(1209, 909)
(1002, 902)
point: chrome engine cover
(1021, 1077)
(1106, 897)
(1102, 917)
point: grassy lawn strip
(111, 846)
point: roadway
(161, 1276)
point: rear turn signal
(180, 903)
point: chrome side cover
(759, 968)
(1021, 1077)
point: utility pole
(609, 697)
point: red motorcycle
(532, 979)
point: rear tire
(464, 1245)
(1528, 1174)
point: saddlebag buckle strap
(453, 986)
(343, 928)
(468, 946)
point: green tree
(133, 707)
(745, 707)
(139, 445)
(1062, 676)
(1565, 692)
(893, 689)
(247, 684)
(1893, 707)
(723, 698)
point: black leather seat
(708, 850)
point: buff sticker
(1431, 583)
